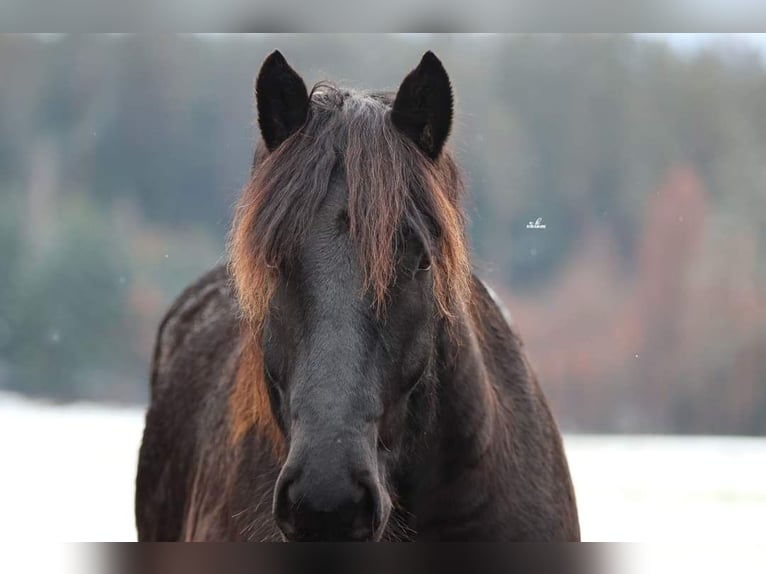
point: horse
(343, 375)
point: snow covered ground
(68, 472)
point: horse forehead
(329, 254)
(336, 198)
(332, 209)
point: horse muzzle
(321, 501)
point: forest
(642, 301)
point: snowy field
(68, 472)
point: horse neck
(467, 431)
(468, 402)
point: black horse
(345, 376)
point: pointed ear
(282, 100)
(423, 105)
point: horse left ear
(423, 105)
(282, 100)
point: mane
(391, 185)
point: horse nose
(313, 506)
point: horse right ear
(281, 99)
(423, 106)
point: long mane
(391, 184)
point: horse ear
(423, 105)
(282, 100)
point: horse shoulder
(203, 306)
(194, 348)
(532, 430)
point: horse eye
(425, 263)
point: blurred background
(642, 302)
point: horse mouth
(360, 536)
(357, 533)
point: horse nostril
(285, 501)
(291, 494)
(370, 502)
